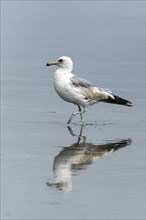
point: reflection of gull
(77, 157)
(79, 91)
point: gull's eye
(60, 60)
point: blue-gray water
(47, 171)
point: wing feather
(89, 91)
(76, 81)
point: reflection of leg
(76, 113)
(80, 134)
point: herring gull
(80, 91)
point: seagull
(80, 91)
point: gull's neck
(64, 70)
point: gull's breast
(66, 91)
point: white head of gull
(80, 91)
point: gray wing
(81, 82)
(76, 81)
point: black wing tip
(129, 104)
(120, 101)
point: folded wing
(93, 94)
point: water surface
(50, 171)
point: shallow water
(49, 170)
